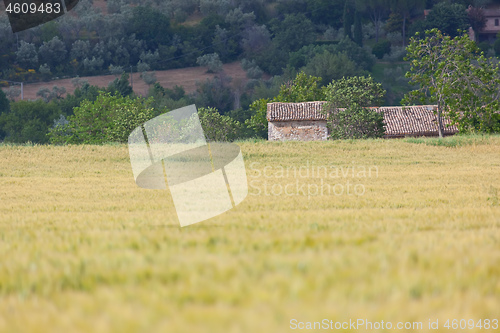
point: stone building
(296, 121)
(305, 121)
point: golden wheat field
(400, 231)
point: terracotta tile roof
(400, 121)
(413, 121)
(295, 111)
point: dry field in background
(185, 77)
(85, 250)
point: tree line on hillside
(451, 72)
(154, 35)
(292, 40)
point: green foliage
(347, 105)
(49, 95)
(211, 61)
(394, 22)
(496, 45)
(4, 102)
(358, 29)
(53, 52)
(28, 121)
(218, 127)
(128, 114)
(448, 18)
(215, 93)
(150, 25)
(331, 66)
(359, 90)
(348, 18)
(258, 121)
(108, 119)
(303, 88)
(359, 55)
(326, 11)
(168, 99)
(362, 59)
(4, 108)
(477, 20)
(459, 140)
(381, 48)
(293, 32)
(85, 92)
(450, 72)
(121, 86)
(484, 46)
(356, 122)
(272, 60)
(26, 55)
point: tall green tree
(376, 10)
(295, 31)
(358, 29)
(347, 107)
(448, 18)
(348, 18)
(151, 26)
(451, 72)
(405, 8)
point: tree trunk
(440, 120)
(237, 99)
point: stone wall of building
(303, 130)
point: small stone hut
(305, 121)
(296, 121)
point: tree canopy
(451, 72)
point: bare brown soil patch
(185, 77)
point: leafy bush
(121, 86)
(397, 53)
(48, 95)
(484, 46)
(331, 66)
(28, 121)
(108, 119)
(4, 108)
(258, 121)
(215, 93)
(149, 77)
(496, 45)
(381, 48)
(211, 61)
(252, 69)
(218, 127)
(394, 37)
(356, 122)
(361, 56)
(116, 70)
(347, 105)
